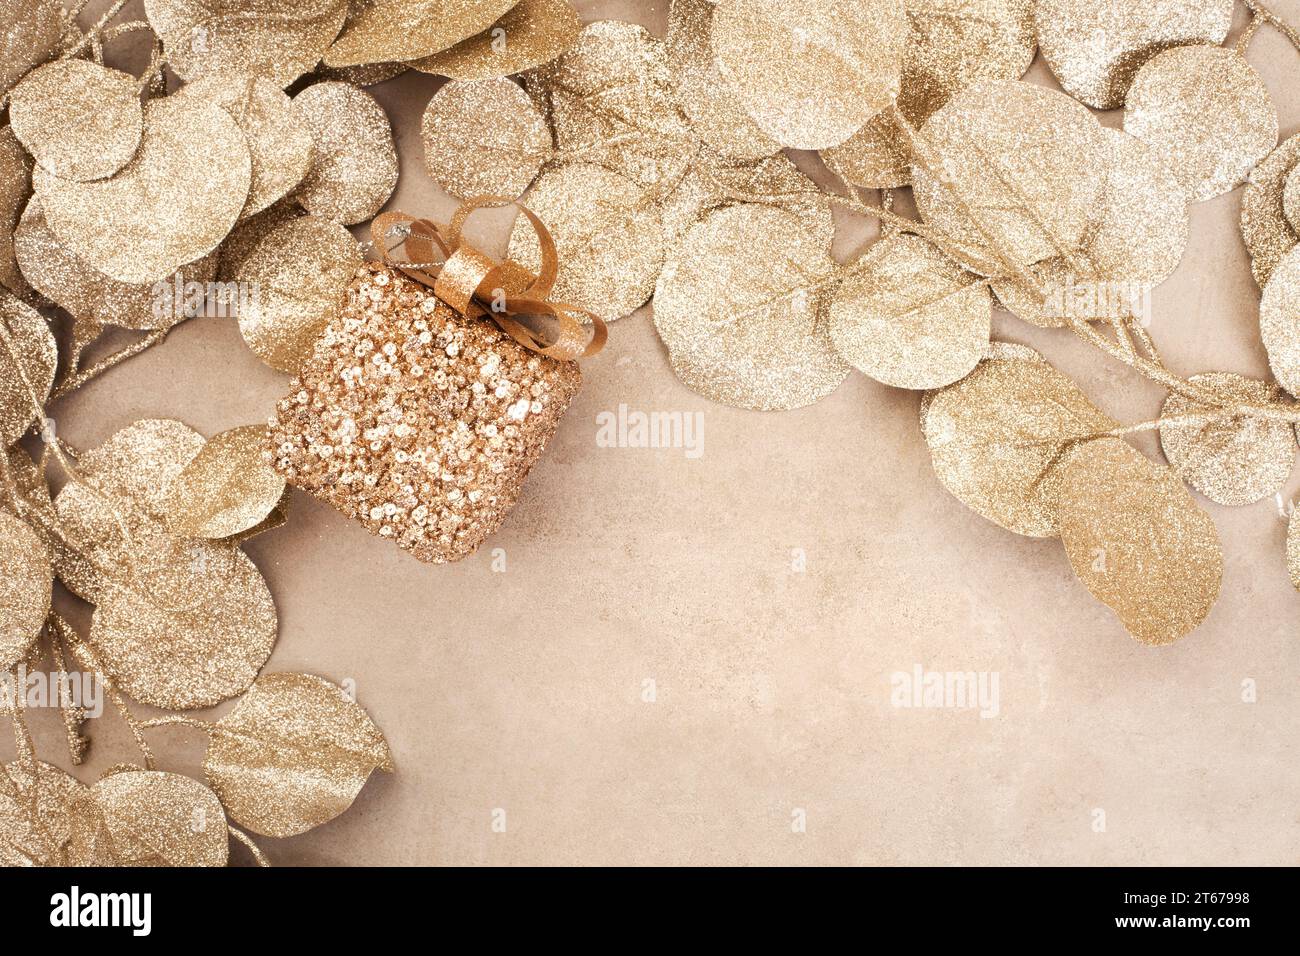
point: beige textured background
(522, 690)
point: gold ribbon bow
(476, 285)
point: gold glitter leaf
(278, 39)
(1291, 199)
(79, 120)
(1279, 321)
(226, 489)
(148, 818)
(34, 357)
(1137, 540)
(90, 295)
(609, 235)
(35, 813)
(1206, 112)
(1096, 46)
(293, 754)
(746, 336)
(1293, 549)
(172, 204)
(1232, 461)
(385, 30)
(811, 73)
(531, 33)
(300, 271)
(910, 317)
(355, 166)
(280, 143)
(30, 31)
(997, 436)
(1264, 226)
(468, 155)
(15, 188)
(1029, 162)
(244, 238)
(716, 116)
(25, 581)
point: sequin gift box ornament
(428, 397)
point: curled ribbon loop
(478, 286)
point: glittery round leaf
(1293, 549)
(1028, 163)
(774, 181)
(355, 166)
(875, 157)
(1096, 46)
(1232, 461)
(1206, 112)
(484, 138)
(810, 72)
(30, 31)
(279, 141)
(996, 438)
(277, 39)
(608, 232)
(226, 489)
(740, 308)
(35, 809)
(1291, 200)
(172, 204)
(78, 119)
(716, 116)
(244, 238)
(27, 371)
(1137, 540)
(25, 581)
(1264, 226)
(90, 295)
(1279, 321)
(910, 317)
(300, 271)
(148, 818)
(531, 33)
(293, 754)
(384, 30)
(15, 188)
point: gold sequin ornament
(226, 488)
(744, 335)
(172, 204)
(715, 114)
(484, 138)
(91, 296)
(609, 234)
(30, 31)
(1206, 112)
(1137, 540)
(292, 754)
(35, 807)
(417, 421)
(25, 581)
(1279, 321)
(1096, 46)
(531, 33)
(147, 818)
(910, 317)
(811, 73)
(1027, 162)
(278, 39)
(79, 120)
(996, 437)
(28, 358)
(279, 142)
(355, 166)
(1264, 226)
(15, 188)
(1235, 460)
(300, 271)
(386, 30)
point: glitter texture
(384, 30)
(1291, 200)
(1232, 461)
(1206, 112)
(1137, 540)
(31, 34)
(35, 820)
(15, 188)
(1264, 226)
(531, 33)
(292, 754)
(25, 582)
(147, 818)
(79, 120)
(37, 354)
(484, 138)
(420, 423)
(1096, 46)
(355, 166)
(225, 489)
(1279, 321)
